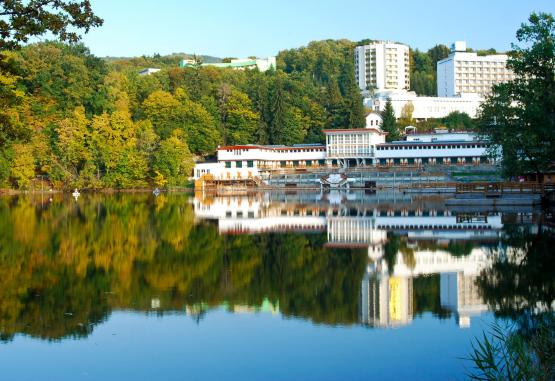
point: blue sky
(247, 27)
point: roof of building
(271, 147)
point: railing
(494, 188)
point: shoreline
(16, 192)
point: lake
(260, 286)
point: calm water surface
(265, 286)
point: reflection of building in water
(386, 301)
(460, 294)
(356, 232)
(346, 221)
(425, 233)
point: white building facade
(262, 64)
(424, 108)
(348, 148)
(242, 162)
(467, 72)
(382, 65)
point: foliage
(173, 162)
(459, 121)
(511, 356)
(520, 115)
(20, 20)
(389, 122)
(519, 286)
(423, 69)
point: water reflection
(378, 260)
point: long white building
(382, 65)
(467, 72)
(423, 107)
(346, 148)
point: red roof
(247, 147)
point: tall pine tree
(389, 122)
(353, 108)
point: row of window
(239, 164)
(240, 151)
(433, 160)
(481, 63)
(443, 146)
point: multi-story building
(467, 72)
(382, 65)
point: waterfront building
(347, 148)
(382, 65)
(467, 72)
(240, 162)
(423, 107)
(261, 64)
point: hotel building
(467, 72)
(382, 65)
(344, 149)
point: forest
(71, 119)
(76, 120)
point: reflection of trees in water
(520, 285)
(64, 267)
(520, 279)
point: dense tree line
(81, 121)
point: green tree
(174, 160)
(24, 19)
(459, 121)
(23, 165)
(406, 114)
(352, 100)
(72, 142)
(237, 119)
(162, 109)
(389, 122)
(520, 115)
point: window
(250, 163)
(228, 164)
(239, 164)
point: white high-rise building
(382, 65)
(466, 72)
